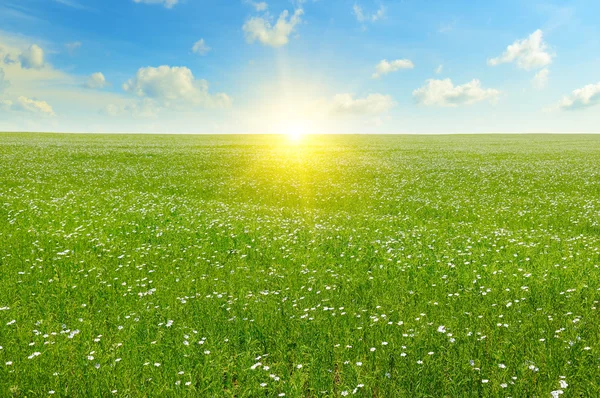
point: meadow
(252, 266)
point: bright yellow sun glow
(295, 134)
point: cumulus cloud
(384, 67)
(362, 16)
(28, 73)
(164, 82)
(25, 104)
(530, 53)
(540, 80)
(260, 29)
(445, 93)
(373, 104)
(200, 48)
(166, 3)
(10, 59)
(581, 98)
(32, 58)
(174, 86)
(96, 81)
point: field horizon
(308, 134)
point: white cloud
(200, 48)
(439, 69)
(259, 28)
(166, 3)
(581, 98)
(10, 59)
(174, 86)
(24, 63)
(32, 58)
(530, 53)
(358, 13)
(25, 104)
(379, 14)
(96, 81)
(373, 104)
(34, 78)
(540, 80)
(33, 106)
(258, 5)
(362, 17)
(164, 82)
(60, 91)
(445, 93)
(384, 67)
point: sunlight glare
(295, 133)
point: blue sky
(321, 66)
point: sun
(295, 133)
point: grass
(247, 266)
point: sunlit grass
(257, 266)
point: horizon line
(308, 134)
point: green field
(248, 266)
